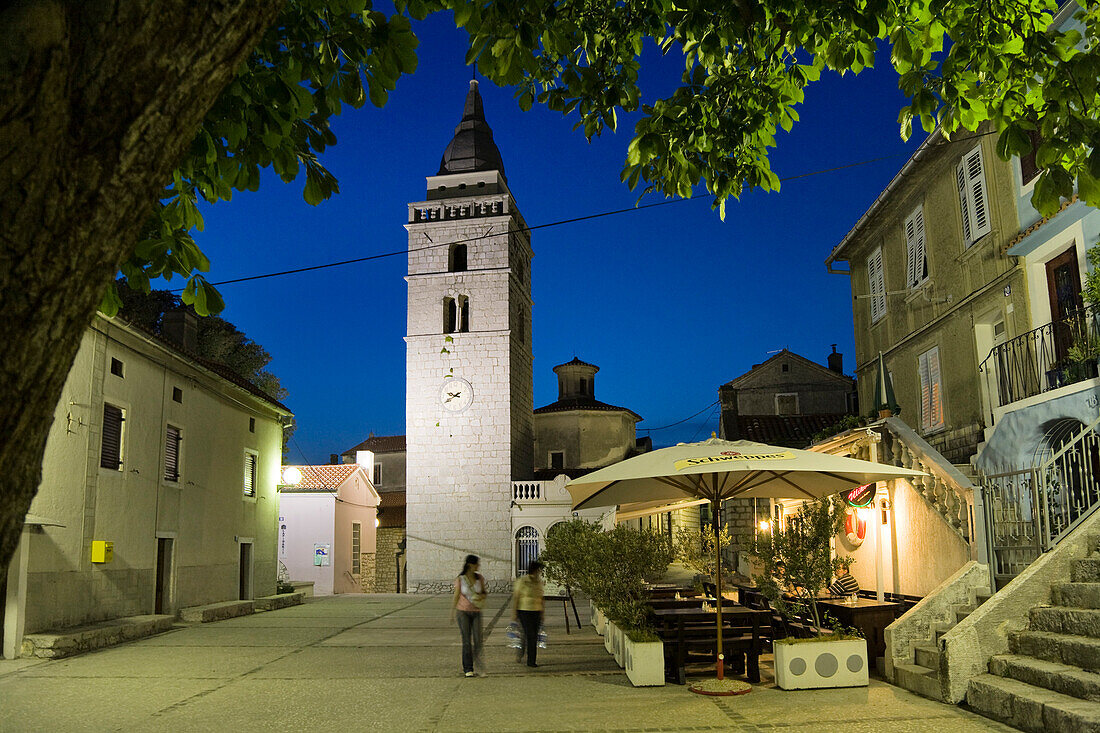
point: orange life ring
(855, 529)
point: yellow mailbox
(103, 551)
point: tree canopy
(747, 64)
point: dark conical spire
(472, 148)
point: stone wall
(385, 570)
(367, 571)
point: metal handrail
(1036, 361)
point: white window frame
(797, 408)
(876, 280)
(973, 197)
(356, 548)
(931, 390)
(255, 475)
(916, 255)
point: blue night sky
(670, 302)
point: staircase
(1051, 679)
(923, 675)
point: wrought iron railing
(1040, 360)
(1030, 510)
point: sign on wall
(861, 496)
(321, 554)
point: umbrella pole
(721, 661)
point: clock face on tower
(456, 394)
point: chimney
(333, 459)
(836, 361)
(181, 327)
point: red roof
(379, 444)
(323, 478)
(391, 499)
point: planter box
(599, 621)
(608, 632)
(826, 663)
(645, 662)
(618, 640)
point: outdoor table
(675, 625)
(868, 615)
(670, 591)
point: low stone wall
(918, 623)
(958, 445)
(67, 642)
(968, 647)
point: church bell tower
(469, 390)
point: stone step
(217, 611)
(918, 679)
(927, 655)
(962, 612)
(1062, 678)
(67, 642)
(1086, 570)
(941, 628)
(279, 600)
(1076, 595)
(1030, 708)
(1066, 620)
(1078, 651)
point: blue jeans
(469, 623)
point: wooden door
(1064, 290)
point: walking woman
(527, 604)
(469, 598)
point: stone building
(578, 433)
(934, 288)
(786, 399)
(469, 393)
(388, 477)
(172, 460)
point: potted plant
(611, 568)
(797, 565)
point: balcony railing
(1039, 360)
(524, 491)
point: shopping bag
(514, 636)
(542, 638)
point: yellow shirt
(527, 594)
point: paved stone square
(392, 663)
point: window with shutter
(172, 440)
(973, 201)
(377, 474)
(916, 261)
(110, 454)
(878, 285)
(249, 474)
(931, 388)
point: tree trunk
(98, 100)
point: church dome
(472, 148)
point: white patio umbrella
(716, 470)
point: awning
(40, 521)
